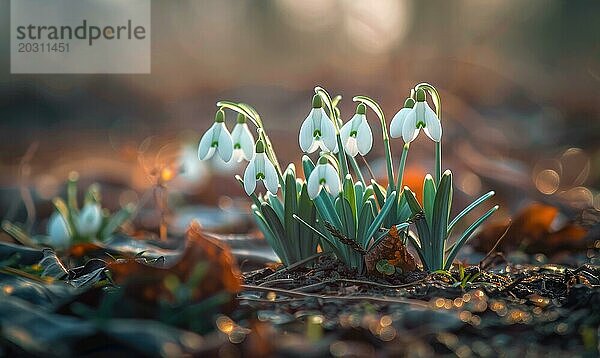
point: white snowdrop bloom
(59, 235)
(400, 118)
(243, 141)
(260, 168)
(323, 176)
(356, 134)
(421, 116)
(317, 130)
(216, 139)
(89, 220)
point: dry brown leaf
(392, 250)
(532, 230)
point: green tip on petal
(420, 95)
(241, 118)
(317, 102)
(220, 116)
(361, 108)
(409, 103)
(323, 160)
(260, 147)
(447, 172)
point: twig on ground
(381, 299)
(296, 264)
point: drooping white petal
(331, 179)
(364, 137)
(409, 129)
(59, 235)
(306, 134)
(225, 146)
(205, 148)
(398, 122)
(250, 177)
(313, 186)
(433, 127)
(314, 146)
(351, 146)
(89, 220)
(327, 132)
(345, 131)
(247, 142)
(271, 180)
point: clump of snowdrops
(336, 208)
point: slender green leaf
(276, 204)
(306, 211)
(379, 195)
(440, 219)
(376, 224)
(365, 220)
(429, 193)
(470, 208)
(115, 221)
(271, 238)
(350, 195)
(466, 235)
(418, 248)
(290, 208)
(413, 204)
(307, 166)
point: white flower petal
(409, 129)
(351, 147)
(271, 180)
(205, 149)
(364, 137)
(433, 127)
(331, 179)
(345, 131)
(327, 132)
(314, 146)
(225, 147)
(247, 143)
(250, 178)
(306, 134)
(313, 186)
(59, 235)
(89, 220)
(398, 122)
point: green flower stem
(332, 114)
(356, 169)
(384, 131)
(401, 167)
(437, 101)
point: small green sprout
(69, 224)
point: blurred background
(520, 85)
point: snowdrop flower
(260, 168)
(317, 130)
(323, 176)
(216, 139)
(356, 134)
(89, 220)
(243, 141)
(400, 118)
(59, 235)
(421, 116)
